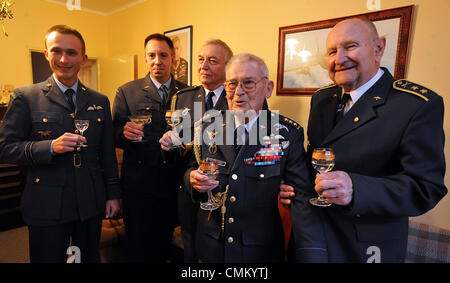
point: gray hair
(247, 57)
(216, 41)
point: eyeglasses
(247, 85)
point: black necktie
(340, 111)
(240, 135)
(165, 94)
(209, 102)
(69, 93)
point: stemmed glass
(322, 161)
(173, 118)
(210, 168)
(82, 126)
(141, 120)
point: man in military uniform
(180, 67)
(67, 186)
(247, 227)
(388, 139)
(148, 184)
(212, 60)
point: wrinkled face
(353, 54)
(159, 59)
(243, 100)
(64, 54)
(211, 66)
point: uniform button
(77, 131)
(45, 120)
(230, 240)
(99, 119)
(147, 108)
(356, 119)
(230, 220)
(358, 215)
(139, 161)
(232, 198)
(261, 176)
(234, 177)
(37, 180)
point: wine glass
(173, 118)
(82, 126)
(210, 168)
(141, 120)
(322, 161)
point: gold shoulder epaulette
(290, 122)
(412, 88)
(325, 87)
(189, 88)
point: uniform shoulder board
(289, 122)
(186, 89)
(325, 87)
(413, 88)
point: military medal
(212, 148)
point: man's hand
(170, 140)
(201, 182)
(286, 194)
(67, 142)
(335, 186)
(133, 132)
(112, 208)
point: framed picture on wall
(182, 43)
(302, 55)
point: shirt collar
(158, 85)
(357, 93)
(250, 123)
(63, 87)
(217, 92)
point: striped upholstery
(427, 244)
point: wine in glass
(210, 168)
(173, 119)
(82, 126)
(141, 120)
(322, 161)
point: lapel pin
(376, 98)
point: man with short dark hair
(69, 187)
(149, 185)
(389, 144)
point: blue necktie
(340, 111)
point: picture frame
(182, 41)
(302, 53)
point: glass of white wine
(322, 161)
(210, 168)
(173, 118)
(82, 126)
(141, 120)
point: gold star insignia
(423, 91)
(415, 87)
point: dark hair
(159, 37)
(66, 30)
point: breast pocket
(46, 125)
(264, 183)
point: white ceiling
(100, 7)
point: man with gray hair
(247, 227)
(389, 158)
(212, 58)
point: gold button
(77, 131)
(45, 120)
(99, 119)
(261, 176)
(356, 119)
(230, 220)
(72, 115)
(37, 180)
(139, 161)
(232, 198)
(147, 108)
(230, 240)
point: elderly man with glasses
(255, 150)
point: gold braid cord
(174, 102)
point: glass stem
(209, 196)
